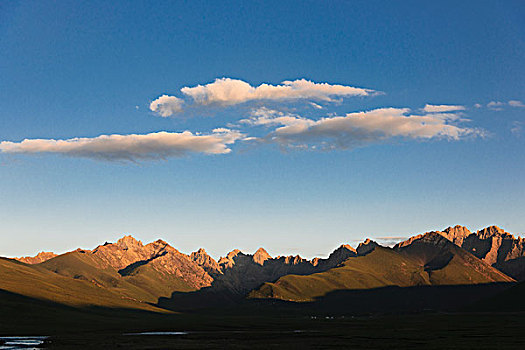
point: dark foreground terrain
(269, 325)
(436, 331)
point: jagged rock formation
(228, 261)
(128, 250)
(456, 234)
(37, 259)
(130, 261)
(158, 274)
(261, 256)
(243, 272)
(426, 260)
(366, 247)
(206, 262)
(128, 254)
(446, 263)
(492, 245)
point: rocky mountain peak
(128, 242)
(456, 234)
(37, 259)
(366, 247)
(205, 261)
(233, 253)
(342, 253)
(292, 259)
(261, 256)
(200, 253)
(489, 232)
(228, 260)
(347, 246)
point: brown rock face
(39, 258)
(492, 245)
(456, 234)
(128, 253)
(447, 263)
(261, 256)
(206, 262)
(228, 261)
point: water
(17, 343)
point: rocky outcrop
(129, 253)
(206, 262)
(366, 247)
(243, 272)
(261, 256)
(446, 263)
(37, 259)
(228, 261)
(492, 245)
(456, 234)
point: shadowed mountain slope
(446, 263)
(142, 283)
(429, 259)
(243, 272)
(492, 245)
(380, 267)
(156, 273)
(40, 283)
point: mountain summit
(158, 274)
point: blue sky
(80, 70)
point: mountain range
(157, 277)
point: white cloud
(166, 106)
(227, 91)
(442, 108)
(133, 147)
(315, 105)
(359, 128)
(516, 128)
(495, 105)
(515, 103)
(477, 105)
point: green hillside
(434, 261)
(39, 283)
(382, 267)
(141, 283)
(156, 283)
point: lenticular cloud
(132, 147)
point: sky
(295, 126)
